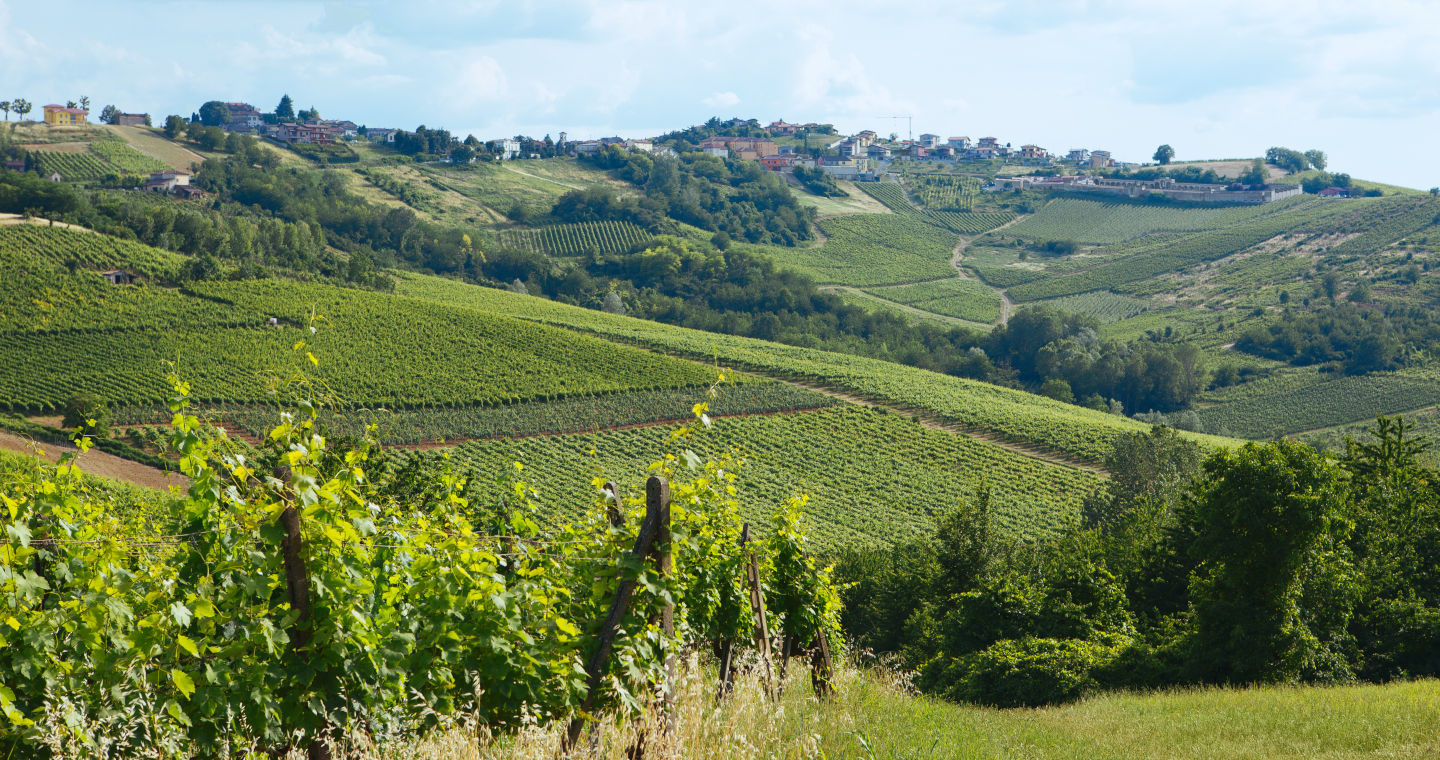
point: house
(343, 128)
(166, 182)
(1033, 151)
(15, 166)
(132, 119)
(642, 146)
(878, 152)
(1334, 192)
(747, 154)
(189, 192)
(865, 137)
(62, 116)
(243, 117)
(118, 277)
(989, 142)
(54, 177)
(1100, 159)
(778, 162)
(930, 141)
(959, 143)
(780, 127)
(508, 148)
(1078, 155)
(380, 134)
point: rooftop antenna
(909, 127)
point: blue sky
(1215, 79)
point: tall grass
(875, 715)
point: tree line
(1272, 563)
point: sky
(1214, 79)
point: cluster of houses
(247, 119)
(1166, 187)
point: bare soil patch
(96, 462)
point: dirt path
(96, 462)
(7, 219)
(506, 167)
(1006, 305)
(934, 422)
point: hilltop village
(810, 149)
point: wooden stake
(297, 588)
(757, 612)
(595, 667)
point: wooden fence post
(595, 667)
(757, 612)
(657, 493)
(614, 511)
(297, 588)
(822, 673)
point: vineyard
(384, 350)
(126, 159)
(328, 603)
(104, 158)
(944, 193)
(874, 478)
(1177, 255)
(953, 297)
(892, 196)
(28, 246)
(574, 414)
(1104, 306)
(874, 249)
(578, 238)
(1083, 434)
(1100, 222)
(1307, 406)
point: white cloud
(722, 100)
(481, 78)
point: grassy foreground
(874, 717)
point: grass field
(1097, 221)
(874, 717)
(156, 146)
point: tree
(21, 106)
(214, 114)
(1164, 154)
(1155, 467)
(5, 106)
(308, 114)
(87, 413)
(1434, 191)
(1255, 175)
(71, 104)
(174, 125)
(613, 304)
(85, 102)
(109, 115)
(1316, 158)
(286, 109)
(1263, 520)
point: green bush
(88, 413)
(1031, 672)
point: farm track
(542, 179)
(452, 442)
(1006, 305)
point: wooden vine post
(757, 612)
(297, 588)
(656, 491)
(725, 648)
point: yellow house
(60, 116)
